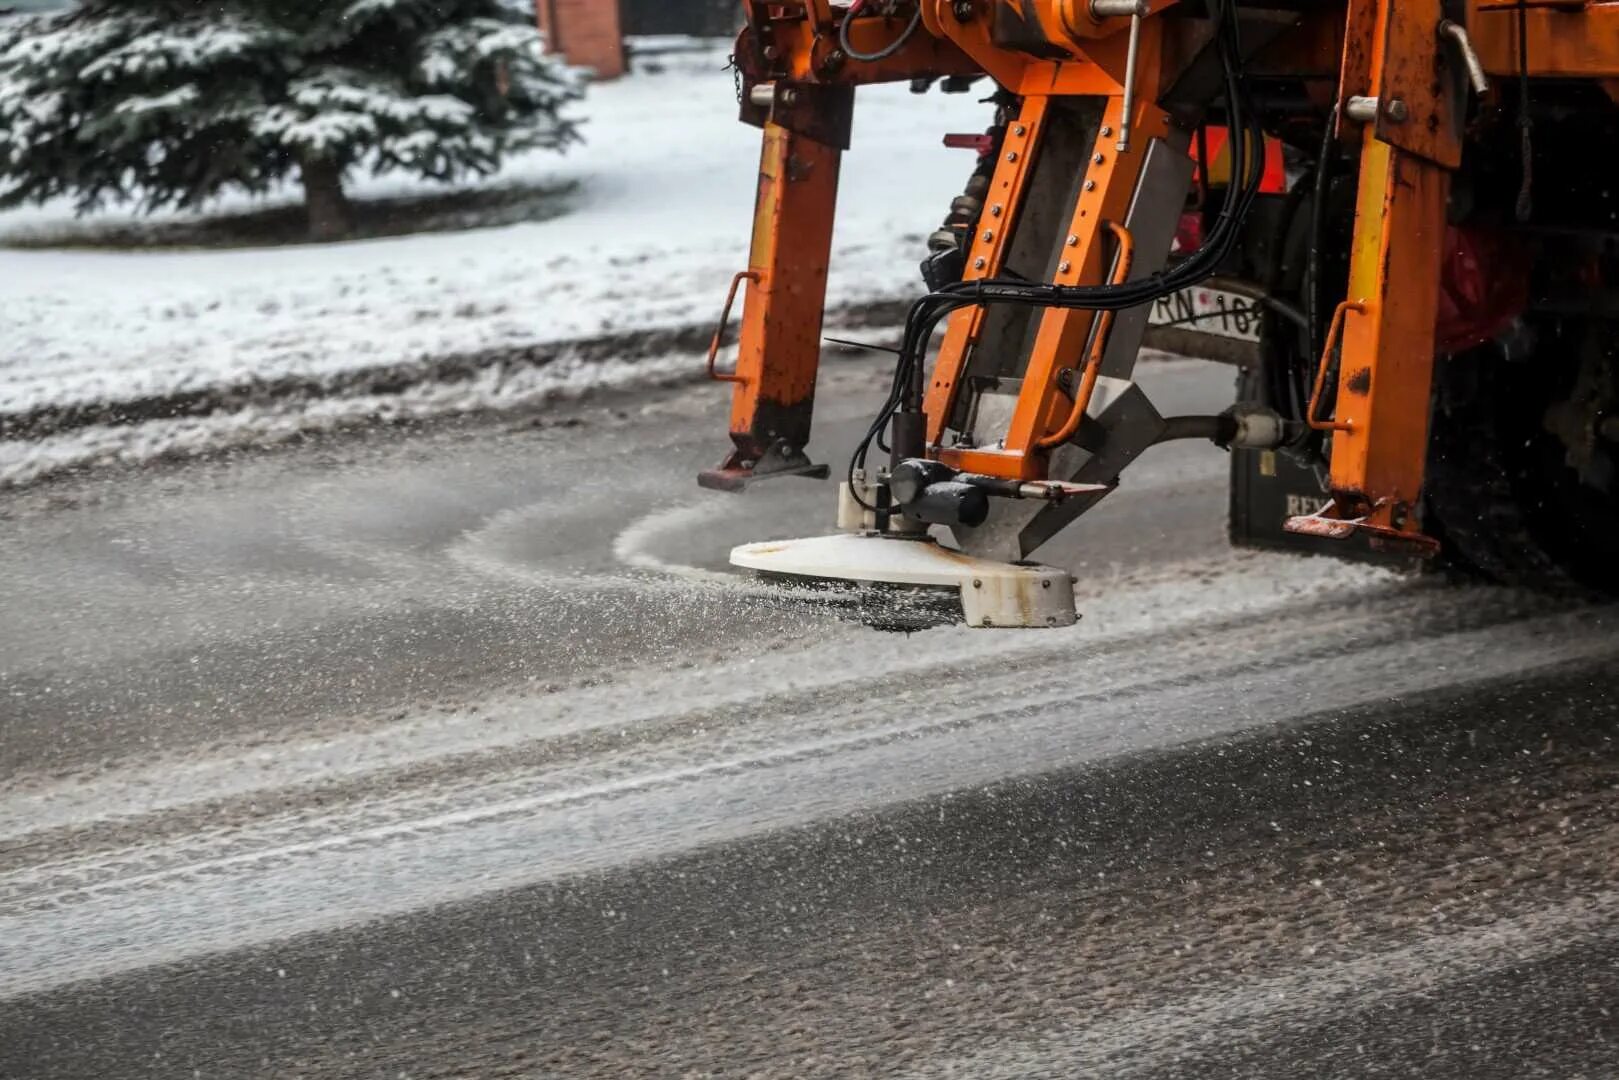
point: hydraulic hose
(887, 50)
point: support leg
(781, 321)
(1385, 374)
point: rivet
(1011, 155)
(1062, 268)
(989, 234)
(995, 211)
(977, 584)
(1098, 159)
(978, 264)
(1019, 130)
(1072, 239)
(1090, 185)
(1106, 131)
(1046, 584)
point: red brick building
(587, 32)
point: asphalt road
(457, 752)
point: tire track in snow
(448, 844)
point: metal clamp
(1334, 336)
(719, 331)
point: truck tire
(1501, 491)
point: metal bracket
(780, 458)
(1377, 529)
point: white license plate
(1208, 311)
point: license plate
(1208, 311)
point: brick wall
(586, 32)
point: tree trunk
(330, 215)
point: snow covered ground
(654, 223)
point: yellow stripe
(1366, 252)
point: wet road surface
(457, 753)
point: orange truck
(1403, 239)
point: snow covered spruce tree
(169, 102)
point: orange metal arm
(1093, 362)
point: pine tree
(169, 102)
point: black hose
(1525, 207)
(887, 50)
(1318, 228)
(1214, 428)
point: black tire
(1500, 493)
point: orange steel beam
(1385, 373)
(781, 316)
(1093, 361)
(991, 239)
(1095, 66)
(1386, 323)
(1110, 181)
(1059, 344)
(1386, 369)
(810, 55)
(1564, 41)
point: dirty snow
(656, 221)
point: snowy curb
(393, 379)
(45, 443)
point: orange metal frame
(1110, 180)
(1383, 333)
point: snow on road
(657, 216)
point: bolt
(1046, 584)
(771, 52)
(989, 234)
(788, 97)
(1072, 239)
(1106, 131)
(1090, 185)
(1397, 110)
(978, 264)
(1098, 159)
(1011, 155)
(1062, 268)
(977, 584)
(995, 211)
(962, 10)
(1020, 130)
